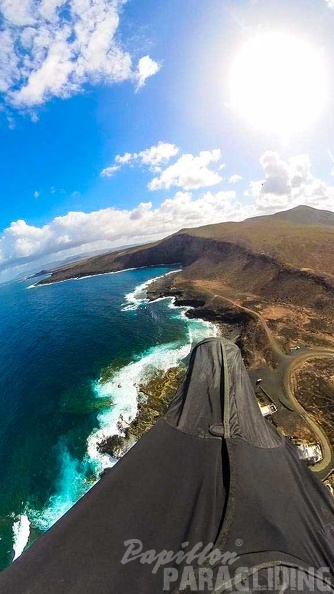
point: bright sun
(278, 83)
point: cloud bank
(21, 242)
(51, 48)
(285, 184)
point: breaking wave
(21, 533)
(71, 484)
(137, 297)
(122, 387)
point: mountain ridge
(278, 239)
(302, 214)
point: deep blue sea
(71, 356)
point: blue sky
(85, 82)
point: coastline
(161, 358)
(77, 278)
(152, 398)
(124, 402)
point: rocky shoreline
(156, 394)
(234, 322)
(154, 397)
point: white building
(311, 453)
(268, 409)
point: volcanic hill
(287, 256)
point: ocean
(70, 356)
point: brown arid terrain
(314, 383)
(269, 351)
(269, 283)
(268, 254)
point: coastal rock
(154, 397)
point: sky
(123, 121)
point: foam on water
(137, 297)
(21, 532)
(70, 486)
(122, 390)
(200, 329)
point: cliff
(287, 257)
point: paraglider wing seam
(231, 501)
(208, 437)
(227, 520)
(280, 444)
(226, 393)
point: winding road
(289, 365)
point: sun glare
(278, 83)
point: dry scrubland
(314, 383)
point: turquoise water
(70, 356)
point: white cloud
(234, 179)
(123, 159)
(22, 243)
(161, 153)
(189, 172)
(18, 13)
(51, 48)
(36, 194)
(153, 157)
(110, 171)
(146, 68)
(289, 183)
(330, 3)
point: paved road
(325, 466)
(289, 365)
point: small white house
(311, 453)
(330, 488)
(268, 409)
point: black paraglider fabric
(212, 471)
